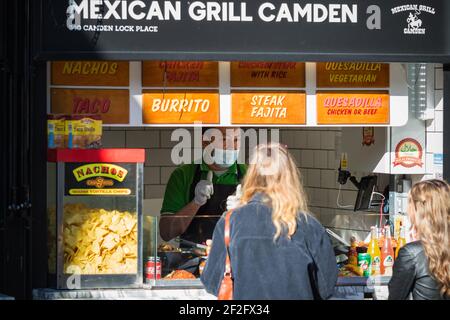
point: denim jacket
(303, 267)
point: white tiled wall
(314, 151)
(318, 162)
(435, 127)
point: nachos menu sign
(244, 30)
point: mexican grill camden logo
(408, 154)
(414, 17)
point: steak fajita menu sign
(379, 30)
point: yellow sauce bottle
(401, 241)
(374, 252)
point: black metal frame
(23, 225)
(446, 106)
(23, 146)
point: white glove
(234, 200)
(204, 190)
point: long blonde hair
(430, 204)
(273, 171)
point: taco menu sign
(232, 29)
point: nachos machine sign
(97, 179)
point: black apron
(204, 222)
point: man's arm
(173, 225)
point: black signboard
(100, 179)
(368, 30)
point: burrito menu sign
(242, 30)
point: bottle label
(388, 261)
(376, 265)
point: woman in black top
(277, 249)
(422, 268)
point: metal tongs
(192, 244)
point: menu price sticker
(112, 105)
(180, 107)
(352, 75)
(90, 73)
(353, 107)
(180, 74)
(268, 74)
(268, 107)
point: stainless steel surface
(337, 237)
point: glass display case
(175, 263)
(95, 218)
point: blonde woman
(277, 249)
(422, 268)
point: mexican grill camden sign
(362, 30)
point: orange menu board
(352, 75)
(268, 107)
(268, 74)
(352, 107)
(173, 107)
(91, 73)
(180, 74)
(112, 105)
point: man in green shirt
(197, 194)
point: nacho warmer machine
(94, 210)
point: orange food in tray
(180, 275)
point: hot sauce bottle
(401, 241)
(387, 253)
(374, 252)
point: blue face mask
(225, 158)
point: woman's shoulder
(310, 221)
(413, 248)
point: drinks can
(152, 269)
(364, 261)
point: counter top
(122, 294)
(5, 297)
(363, 281)
(346, 288)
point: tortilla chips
(98, 241)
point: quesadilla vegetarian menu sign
(352, 75)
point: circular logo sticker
(408, 153)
